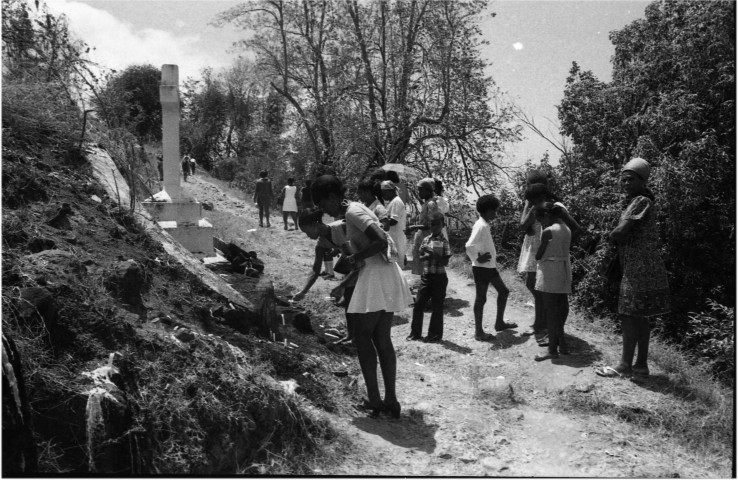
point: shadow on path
(452, 307)
(663, 384)
(409, 431)
(455, 347)
(398, 320)
(508, 338)
(581, 354)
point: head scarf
(638, 166)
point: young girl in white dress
(289, 205)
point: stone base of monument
(183, 210)
(195, 237)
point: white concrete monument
(178, 215)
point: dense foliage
(672, 102)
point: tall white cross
(169, 97)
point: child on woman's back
(553, 276)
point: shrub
(711, 336)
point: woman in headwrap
(380, 290)
(644, 289)
(426, 192)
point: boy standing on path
(434, 254)
(481, 251)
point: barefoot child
(553, 276)
(434, 253)
(481, 251)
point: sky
(532, 44)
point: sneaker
(414, 338)
(432, 339)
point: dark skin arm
(314, 273)
(571, 223)
(377, 243)
(546, 237)
(528, 217)
(621, 232)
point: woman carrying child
(553, 276)
(380, 290)
(434, 253)
(330, 237)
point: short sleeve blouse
(358, 219)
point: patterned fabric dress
(644, 289)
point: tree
(671, 101)
(131, 100)
(381, 82)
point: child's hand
(484, 257)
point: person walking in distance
(263, 197)
(185, 167)
(289, 203)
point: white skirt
(380, 286)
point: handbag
(342, 265)
(612, 271)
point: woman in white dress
(289, 205)
(380, 290)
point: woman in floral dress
(644, 289)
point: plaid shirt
(431, 265)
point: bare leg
(502, 293)
(387, 360)
(364, 327)
(643, 329)
(630, 338)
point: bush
(711, 336)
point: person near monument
(193, 165)
(160, 166)
(263, 197)
(289, 202)
(185, 166)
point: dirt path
(533, 427)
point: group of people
(188, 166)
(370, 237)
(287, 199)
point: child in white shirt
(481, 251)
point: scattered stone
(584, 388)
(61, 220)
(126, 281)
(37, 303)
(185, 335)
(39, 244)
(468, 457)
(95, 198)
(445, 456)
(207, 205)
